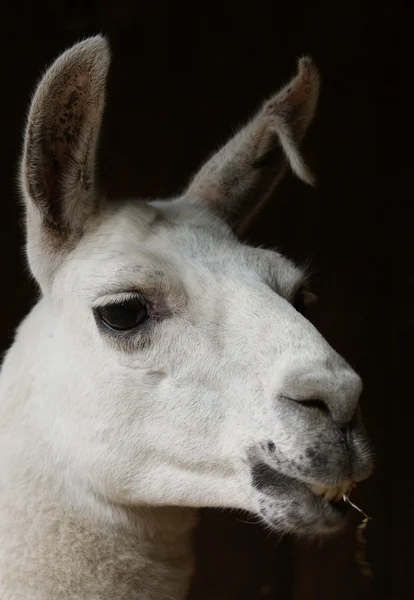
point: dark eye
(123, 316)
(299, 302)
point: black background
(183, 78)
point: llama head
(177, 367)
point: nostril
(312, 403)
(316, 404)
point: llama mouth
(266, 478)
(289, 504)
(333, 493)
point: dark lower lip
(270, 481)
(274, 484)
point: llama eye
(299, 302)
(123, 316)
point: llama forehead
(166, 249)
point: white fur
(109, 443)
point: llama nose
(343, 399)
(335, 391)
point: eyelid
(118, 298)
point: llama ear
(240, 176)
(58, 162)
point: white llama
(166, 366)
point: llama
(166, 366)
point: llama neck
(54, 550)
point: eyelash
(118, 298)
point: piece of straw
(361, 542)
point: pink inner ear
(296, 102)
